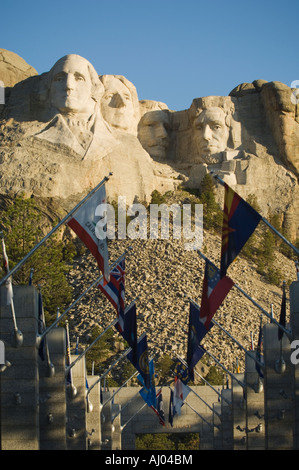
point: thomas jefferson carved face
(117, 104)
(71, 86)
(211, 131)
(153, 133)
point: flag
(114, 290)
(142, 362)
(41, 326)
(149, 393)
(160, 407)
(84, 222)
(30, 277)
(282, 318)
(171, 411)
(214, 291)
(180, 393)
(196, 331)
(8, 282)
(239, 222)
(258, 352)
(182, 372)
(77, 346)
(153, 400)
(129, 332)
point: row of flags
(239, 222)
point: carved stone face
(117, 104)
(71, 86)
(211, 131)
(153, 133)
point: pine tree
(22, 224)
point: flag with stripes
(114, 290)
(84, 224)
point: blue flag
(142, 361)
(196, 332)
(149, 394)
(129, 331)
(239, 222)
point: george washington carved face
(72, 86)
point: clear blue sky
(172, 50)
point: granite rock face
(63, 131)
(13, 68)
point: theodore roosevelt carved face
(153, 133)
(211, 131)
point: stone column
(238, 413)
(106, 422)
(217, 427)
(93, 416)
(76, 408)
(52, 394)
(255, 420)
(19, 382)
(278, 384)
(226, 420)
(116, 427)
(294, 312)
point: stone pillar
(116, 427)
(52, 394)
(76, 408)
(255, 420)
(238, 413)
(93, 416)
(19, 382)
(106, 422)
(226, 419)
(278, 384)
(294, 312)
(217, 427)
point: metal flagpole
(91, 345)
(264, 220)
(17, 334)
(18, 266)
(197, 373)
(224, 368)
(232, 337)
(288, 332)
(58, 319)
(133, 416)
(184, 401)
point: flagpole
(230, 336)
(263, 219)
(213, 388)
(184, 401)
(58, 319)
(288, 332)
(18, 266)
(18, 335)
(222, 366)
(91, 345)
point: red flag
(84, 224)
(214, 291)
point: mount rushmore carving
(62, 131)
